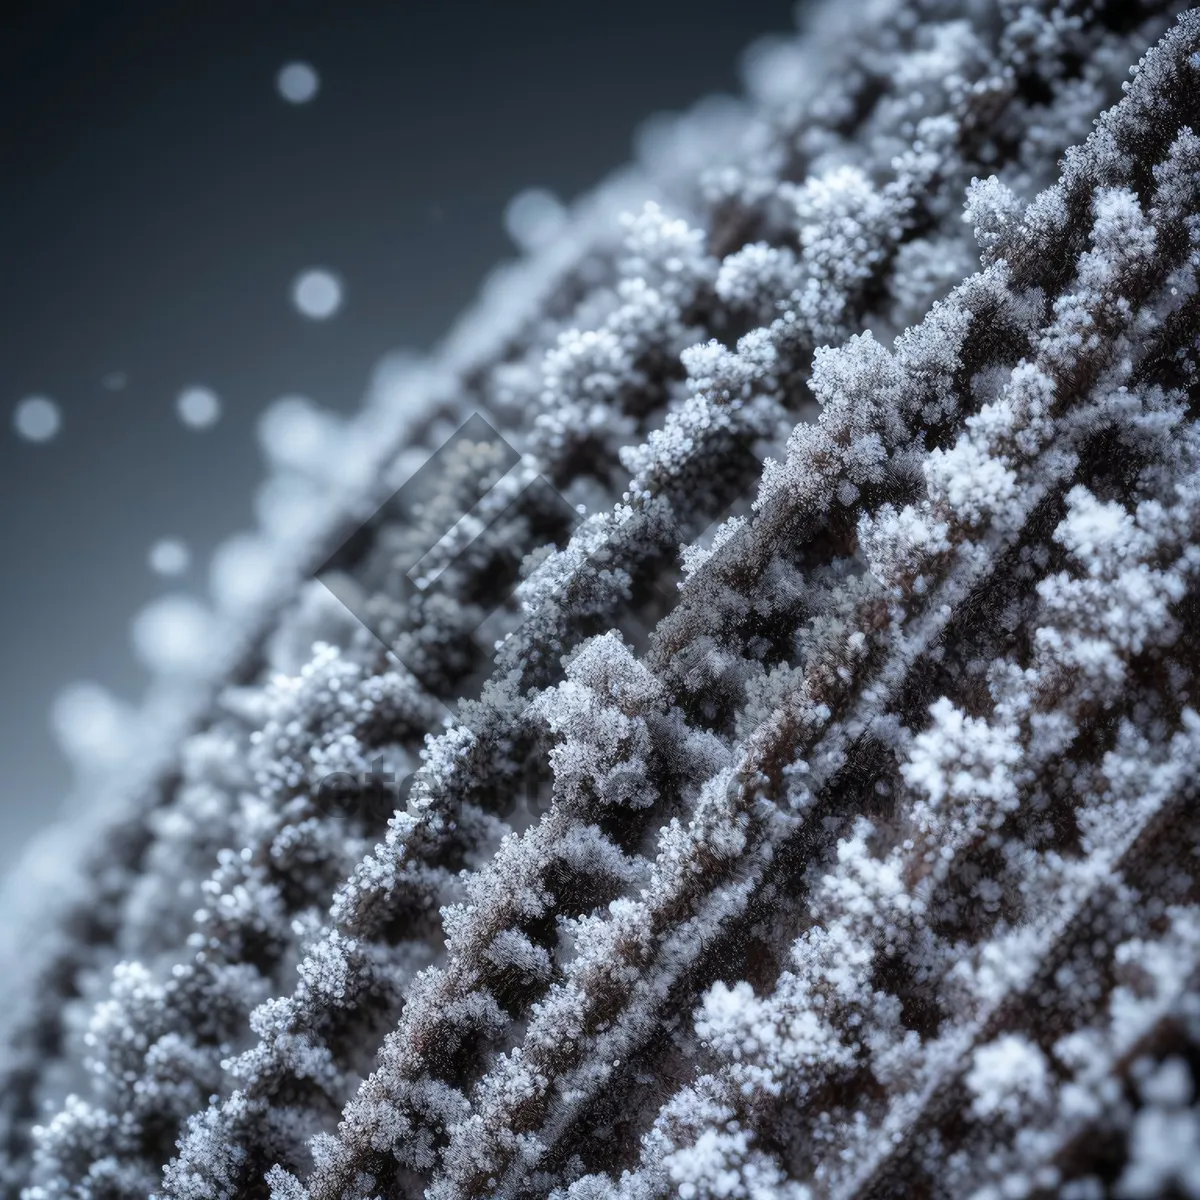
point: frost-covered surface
(873, 871)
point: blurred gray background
(158, 196)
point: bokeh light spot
(169, 556)
(198, 407)
(298, 82)
(317, 294)
(37, 419)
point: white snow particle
(297, 82)
(242, 572)
(37, 419)
(533, 217)
(173, 634)
(293, 432)
(1005, 1076)
(317, 294)
(169, 556)
(198, 407)
(90, 724)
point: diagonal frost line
(1159, 811)
(942, 606)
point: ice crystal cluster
(861, 692)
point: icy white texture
(802, 800)
(92, 726)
